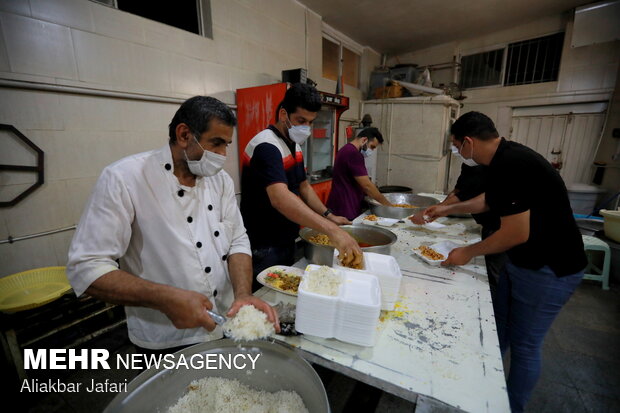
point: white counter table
(440, 341)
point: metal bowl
(380, 239)
(421, 202)
(277, 368)
(395, 188)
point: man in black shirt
(471, 183)
(539, 234)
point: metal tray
(277, 368)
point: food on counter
(353, 264)
(404, 206)
(283, 281)
(248, 324)
(216, 394)
(323, 239)
(430, 253)
(323, 280)
(320, 239)
(371, 217)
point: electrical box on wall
(295, 75)
(596, 23)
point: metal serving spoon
(217, 318)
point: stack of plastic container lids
(387, 271)
(351, 316)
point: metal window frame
(506, 48)
(482, 50)
(538, 41)
(341, 45)
(202, 14)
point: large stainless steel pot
(380, 239)
(395, 188)
(277, 368)
(421, 202)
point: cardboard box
(394, 91)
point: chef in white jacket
(162, 235)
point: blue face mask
(365, 150)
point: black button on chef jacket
(520, 179)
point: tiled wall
(79, 43)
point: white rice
(323, 280)
(248, 324)
(216, 395)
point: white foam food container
(434, 225)
(384, 222)
(352, 316)
(387, 271)
(443, 248)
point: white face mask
(208, 165)
(468, 162)
(298, 133)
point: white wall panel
(70, 13)
(37, 47)
(577, 136)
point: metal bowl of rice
(278, 368)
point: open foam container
(387, 271)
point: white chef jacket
(160, 231)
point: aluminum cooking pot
(421, 203)
(395, 188)
(277, 368)
(379, 239)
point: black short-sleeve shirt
(520, 179)
(265, 225)
(471, 183)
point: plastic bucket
(611, 224)
(583, 197)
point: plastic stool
(596, 244)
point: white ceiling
(396, 26)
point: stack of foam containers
(387, 271)
(351, 316)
